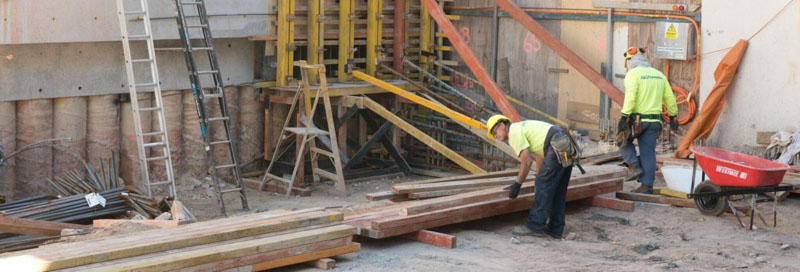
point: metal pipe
(481, 107)
(495, 41)
(605, 104)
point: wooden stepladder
(309, 133)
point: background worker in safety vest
(646, 89)
(540, 141)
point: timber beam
(365, 102)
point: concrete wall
(765, 94)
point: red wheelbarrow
(729, 174)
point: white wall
(765, 96)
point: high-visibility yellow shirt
(646, 89)
(529, 135)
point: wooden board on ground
(687, 203)
(324, 263)
(110, 223)
(60, 256)
(35, 227)
(669, 192)
(611, 203)
(275, 188)
(433, 238)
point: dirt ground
(652, 238)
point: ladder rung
(142, 60)
(208, 96)
(201, 48)
(220, 142)
(323, 152)
(160, 182)
(150, 84)
(138, 37)
(207, 72)
(155, 133)
(196, 26)
(225, 166)
(135, 12)
(150, 109)
(238, 189)
(169, 49)
(218, 119)
(191, 3)
(153, 144)
(325, 174)
(157, 158)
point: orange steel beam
(471, 60)
(562, 50)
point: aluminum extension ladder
(152, 86)
(200, 21)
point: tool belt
(636, 122)
(565, 148)
(649, 116)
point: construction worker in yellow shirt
(554, 153)
(646, 89)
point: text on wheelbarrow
(731, 172)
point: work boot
(525, 231)
(643, 189)
(634, 171)
(555, 236)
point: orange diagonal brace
(471, 60)
(570, 57)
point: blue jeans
(550, 196)
(647, 151)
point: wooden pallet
(413, 216)
(255, 241)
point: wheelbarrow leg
(735, 213)
(752, 210)
(775, 211)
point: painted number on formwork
(531, 43)
(465, 34)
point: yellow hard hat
(631, 52)
(493, 121)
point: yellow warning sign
(671, 33)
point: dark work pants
(647, 151)
(550, 196)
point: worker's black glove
(624, 123)
(513, 190)
(673, 123)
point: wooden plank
(419, 135)
(432, 194)
(354, 247)
(504, 173)
(135, 244)
(35, 227)
(109, 223)
(324, 263)
(405, 189)
(249, 260)
(687, 203)
(611, 203)
(669, 192)
(380, 195)
(181, 258)
(433, 238)
(490, 208)
(469, 207)
(456, 200)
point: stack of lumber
(412, 216)
(399, 193)
(251, 242)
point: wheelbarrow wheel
(713, 206)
